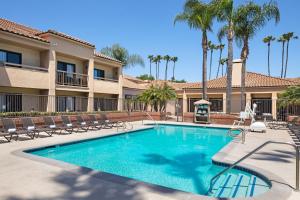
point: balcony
(25, 76)
(106, 85)
(71, 79)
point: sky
(146, 27)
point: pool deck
(25, 177)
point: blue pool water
(177, 157)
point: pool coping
(279, 190)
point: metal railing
(212, 181)
(105, 104)
(242, 130)
(71, 79)
(23, 66)
(107, 79)
(149, 117)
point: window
(64, 104)
(216, 105)
(10, 102)
(67, 67)
(99, 74)
(11, 57)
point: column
(90, 64)
(52, 81)
(274, 105)
(120, 100)
(224, 102)
(184, 102)
(248, 98)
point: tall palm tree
(267, 40)
(211, 47)
(282, 39)
(248, 20)
(167, 58)
(174, 59)
(220, 47)
(150, 57)
(158, 60)
(288, 37)
(120, 53)
(199, 15)
(224, 10)
(223, 61)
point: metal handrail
(243, 132)
(151, 118)
(212, 181)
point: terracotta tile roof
(66, 36)
(19, 29)
(252, 80)
(130, 83)
(100, 55)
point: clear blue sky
(146, 27)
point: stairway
(238, 185)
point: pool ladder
(213, 180)
(126, 126)
(151, 118)
(242, 130)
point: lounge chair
(29, 125)
(68, 125)
(8, 135)
(108, 123)
(81, 123)
(10, 128)
(94, 122)
(50, 124)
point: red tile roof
(100, 55)
(19, 29)
(252, 80)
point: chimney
(236, 72)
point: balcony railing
(71, 79)
(106, 79)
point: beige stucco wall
(108, 87)
(236, 72)
(110, 72)
(30, 56)
(25, 78)
(80, 64)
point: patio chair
(29, 125)
(68, 125)
(50, 124)
(81, 123)
(94, 123)
(108, 123)
(10, 127)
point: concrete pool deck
(25, 178)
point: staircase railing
(242, 130)
(213, 180)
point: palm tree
(120, 53)
(288, 37)
(220, 47)
(158, 59)
(248, 20)
(167, 58)
(174, 59)
(222, 62)
(224, 10)
(150, 57)
(282, 40)
(211, 47)
(199, 15)
(267, 40)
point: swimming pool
(177, 157)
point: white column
(184, 102)
(274, 105)
(248, 98)
(224, 102)
(91, 85)
(52, 80)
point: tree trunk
(158, 71)
(156, 75)
(287, 57)
(210, 63)
(282, 60)
(166, 71)
(220, 57)
(204, 66)
(229, 68)
(174, 72)
(150, 69)
(269, 70)
(244, 56)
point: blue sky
(146, 27)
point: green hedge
(37, 114)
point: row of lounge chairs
(9, 129)
(294, 127)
